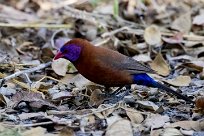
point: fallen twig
(24, 85)
(41, 66)
(31, 125)
(57, 26)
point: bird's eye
(65, 51)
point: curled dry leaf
(4, 100)
(160, 65)
(120, 127)
(183, 23)
(193, 67)
(152, 35)
(179, 81)
(60, 66)
(148, 105)
(200, 103)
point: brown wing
(122, 62)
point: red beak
(58, 55)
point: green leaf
(116, 8)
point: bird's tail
(169, 90)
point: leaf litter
(40, 98)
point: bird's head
(70, 51)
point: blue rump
(144, 79)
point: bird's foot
(117, 95)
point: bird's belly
(105, 75)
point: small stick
(54, 26)
(41, 66)
(31, 125)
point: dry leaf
(160, 65)
(152, 35)
(97, 97)
(12, 15)
(25, 116)
(67, 131)
(60, 66)
(193, 67)
(120, 127)
(171, 132)
(38, 131)
(156, 120)
(134, 116)
(79, 81)
(183, 23)
(105, 113)
(61, 95)
(34, 100)
(199, 19)
(188, 125)
(177, 38)
(179, 81)
(4, 100)
(142, 57)
(148, 105)
(156, 132)
(200, 103)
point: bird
(108, 67)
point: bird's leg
(117, 91)
(109, 92)
(114, 97)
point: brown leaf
(152, 35)
(183, 23)
(179, 81)
(47, 55)
(160, 65)
(33, 99)
(67, 131)
(193, 67)
(134, 116)
(120, 127)
(199, 103)
(97, 97)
